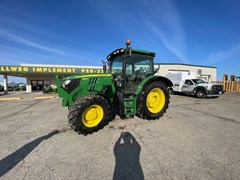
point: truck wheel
(170, 91)
(200, 94)
(89, 114)
(153, 101)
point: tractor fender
(105, 90)
(165, 81)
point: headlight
(70, 85)
(66, 82)
(209, 87)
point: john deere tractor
(129, 87)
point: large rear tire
(89, 114)
(152, 101)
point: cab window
(188, 82)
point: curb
(10, 98)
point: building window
(199, 71)
(47, 82)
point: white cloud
(30, 43)
(87, 57)
(222, 55)
(164, 20)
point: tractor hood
(81, 76)
(73, 81)
(73, 87)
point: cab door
(188, 86)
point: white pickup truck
(187, 83)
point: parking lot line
(44, 97)
(10, 98)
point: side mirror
(154, 72)
(104, 66)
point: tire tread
(80, 105)
(142, 110)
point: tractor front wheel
(89, 114)
(153, 101)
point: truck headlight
(209, 87)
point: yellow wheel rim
(92, 116)
(155, 100)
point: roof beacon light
(128, 42)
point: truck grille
(72, 85)
(217, 88)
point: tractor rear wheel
(89, 114)
(153, 101)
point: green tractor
(128, 88)
(47, 89)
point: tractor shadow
(127, 152)
(10, 161)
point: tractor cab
(130, 66)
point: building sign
(54, 70)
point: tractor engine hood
(75, 86)
(72, 82)
(85, 76)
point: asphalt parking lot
(195, 139)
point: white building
(38, 75)
(207, 73)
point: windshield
(116, 65)
(198, 81)
(135, 64)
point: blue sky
(83, 32)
